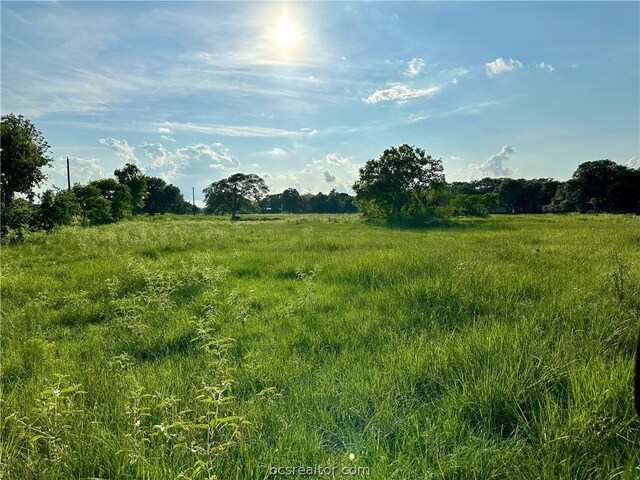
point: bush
(95, 209)
(57, 209)
(464, 205)
(17, 220)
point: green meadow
(195, 347)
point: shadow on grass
(157, 349)
(257, 218)
(422, 223)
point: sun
(286, 33)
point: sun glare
(286, 34)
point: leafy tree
(624, 192)
(118, 196)
(164, 198)
(429, 204)
(512, 194)
(94, 208)
(318, 203)
(340, 202)
(135, 179)
(24, 153)
(271, 203)
(57, 209)
(387, 184)
(600, 186)
(239, 191)
(485, 185)
(18, 218)
(290, 200)
(473, 205)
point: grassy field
(195, 347)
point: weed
(619, 276)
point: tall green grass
(193, 347)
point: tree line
(403, 183)
(596, 186)
(250, 194)
(406, 183)
(96, 203)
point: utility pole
(193, 193)
(68, 176)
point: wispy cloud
(400, 93)
(237, 130)
(415, 66)
(121, 148)
(457, 73)
(471, 109)
(500, 65)
(462, 71)
(277, 152)
(545, 66)
(336, 160)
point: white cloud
(217, 154)
(121, 148)
(336, 160)
(82, 170)
(277, 152)
(164, 131)
(156, 152)
(471, 109)
(237, 130)
(328, 176)
(633, 162)
(415, 66)
(456, 73)
(169, 163)
(494, 167)
(35, 93)
(85, 169)
(545, 66)
(400, 93)
(462, 71)
(500, 65)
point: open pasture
(194, 347)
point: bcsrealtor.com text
(319, 471)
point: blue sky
(305, 93)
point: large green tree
(600, 186)
(386, 185)
(291, 200)
(164, 198)
(118, 196)
(24, 153)
(94, 208)
(234, 193)
(134, 178)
